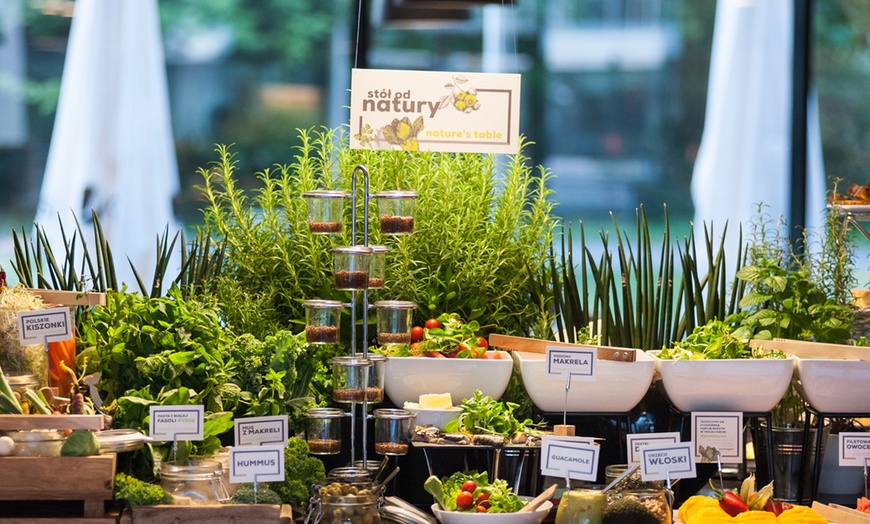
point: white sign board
(854, 448)
(434, 111)
(667, 461)
(44, 325)
(565, 457)
(577, 363)
(718, 435)
(256, 431)
(171, 423)
(257, 464)
(637, 441)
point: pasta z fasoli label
(434, 111)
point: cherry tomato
(465, 499)
(416, 334)
(468, 486)
(482, 497)
(482, 509)
(496, 355)
(433, 323)
(481, 343)
(415, 349)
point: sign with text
(566, 457)
(718, 435)
(577, 363)
(637, 441)
(44, 325)
(171, 423)
(434, 111)
(667, 461)
(257, 463)
(854, 448)
(256, 431)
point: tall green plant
(481, 233)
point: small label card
(575, 458)
(718, 435)
(637, 441)
(44, 325)
(667, 461)
(576, 363)
(257, 463)
(256, 431)
(171, 423)
(434, 111)
(854, 448)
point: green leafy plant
(482, 414)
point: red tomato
(468, 486)
(465, 499)
(482, 497)
(433, 323)
(481, 508)
(482, 343)
(416, 334)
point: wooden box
(209, 514)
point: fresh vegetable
(863, 505)
(469, 486)
(494, 497)
(482, 414)
(7, 445)
(9, 404)
(136, 492)
(433, 323)
(80, 443)
(37, 402)
(717, 339)
(300, 472)
(446, 336)
(245, 495)
(416, 334)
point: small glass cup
(396, 211)
(378, 267)
(394, 321)
(392, 431)
(322, 321)
(581, 506)
(352, 265)
(323, 431)
(325, 211)
(350, 378)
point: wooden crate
(209, 514)
(86, 479)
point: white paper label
(854, 448)
(256, 431)
(565, 457)
(257, 463)
(434, 111)
(718, 435)
(667, 461)
(637, 441)
(577, 363)
(44, 325)
(171, 423)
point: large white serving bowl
(461, 517)
(618, 386)
(834, 385)
(406, 378)
(748, 385)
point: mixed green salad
(717, 340)
(472, 492)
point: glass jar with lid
(347, 497)
(325, 211)
(198, 481)
(37, 442)
(350, 378)
(322, 321)
(396, 211)
(394, 321)
(323, 430)
(352, 265)
(392, 431)
(378, 267)
(21, 382)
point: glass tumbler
(322, 321)
(323, 430)
(325, 211)
(352, 265)
(394, 321)
(396, 211)
(392, 431)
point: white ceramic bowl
(461, 517)
(434, 417)
(406, 378)
(618, 386)
(835, 385)
(748, 385)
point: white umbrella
(112, 148)
(744, 153)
